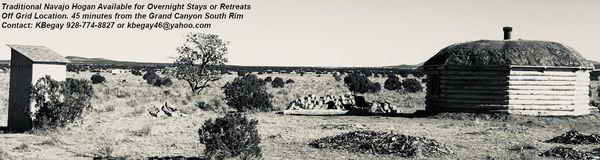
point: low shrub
(412, 85)
(337, 76)
(392, 83)
(248, 93)
(97, 78)
(231, 136)
(268, 79)
(57, 104)
(277, 83)
(156, 80)
(136, 72)
(150, 75)
(289, 81)
(361, 84)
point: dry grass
(119, 125)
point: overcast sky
(342, 32)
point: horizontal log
(474, 87)
(474, 96)
(475, 82)
(547, 102)
(547, 92)
(471, 91)
(550, 113)
(449, 77)
(549, 73)
(550, 88)
(548, 97)
(546, 78)
(548, 83)
(324, 112)
(549, 108)
(476, 73)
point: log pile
(570, 153)
(383, 143)
(574, 137)
(318, 103)
(355, 103)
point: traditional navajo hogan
(515, 76)
(28, 64)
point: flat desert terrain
(119, 124)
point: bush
(289, 81)
(56, 104)
(392, 83)
(97, 78)
(268, 79)
(277, 83)
(248, 93)
(150, 75)
(154, 79)
(231, 136)
(412, 85)
(136, 72)
(361, 84)
(162, 81)
(337, 76)
(418, 73)
(242, 73)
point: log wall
(543, 93)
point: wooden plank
(471, 101)
(324, 112)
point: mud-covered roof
(509, 53)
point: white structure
(28, 64)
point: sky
(343, 33)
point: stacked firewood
(342, 102)
(328, 102)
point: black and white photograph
(299, 80)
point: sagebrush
(56, 104)
(248, 93)
(231, 136)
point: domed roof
(509, 53)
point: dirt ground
(119, 125)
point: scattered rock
(383, 143)
(574, 137)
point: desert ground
(119, 124)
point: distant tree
(268, 79)
(197, 59)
